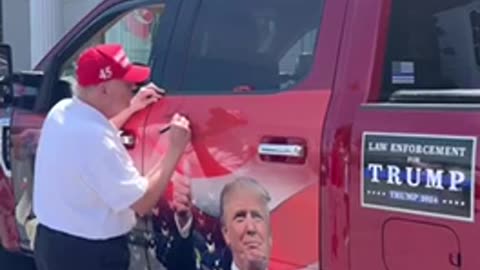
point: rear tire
(13, 261)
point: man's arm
(182, 204)
(146, 96)
(120, 119)
(157, 179)
(108, 169)
(161, 173)
(182, 255)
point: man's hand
(146, 96)
(182, 200)
(179, 133)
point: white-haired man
(245, 225)
(86, 188)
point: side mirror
(5, 63)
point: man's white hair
(243, 182)
(77, 90)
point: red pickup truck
(360, 118)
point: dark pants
(59, 251)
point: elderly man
(245, 223)
(86, 188)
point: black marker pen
(165, 129)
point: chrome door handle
(282, 150)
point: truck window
(432, 45)
(133, 30)
(260, 45)
(296, 62)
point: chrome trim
(127, 140)
(4, 123)
(284, 150)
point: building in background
(1, 22)
(32, 27)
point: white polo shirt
(84, 180)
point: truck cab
(357, 116)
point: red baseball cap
(106, 62)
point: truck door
(413, 189)
(255, 79)
(141, 26)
